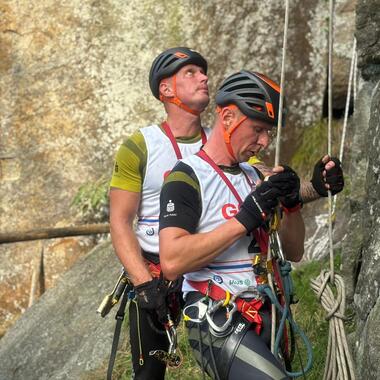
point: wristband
(292, 209)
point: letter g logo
(229, 211)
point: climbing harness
(339, 364)
(124, 290)
(216, 298)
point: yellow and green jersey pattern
(131, 160)
(130, 164)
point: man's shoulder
(183, 172)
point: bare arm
(182, 252)
(123, 208)
(292, 234)
(307, 192)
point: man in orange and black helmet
(214, 215)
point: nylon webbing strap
(119, 321)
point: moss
(314, 145)
(91, 201)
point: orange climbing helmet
(256, 95)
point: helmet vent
(255, 106)
(170, 61)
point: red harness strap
(248, 309)
(155, 269)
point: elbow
(298, 258)
(296, 255)
(169, 270)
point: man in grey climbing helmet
(178, 78)
(215, 232)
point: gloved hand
(288, 184)
(333, 177)
(151, 295)
(257, 206)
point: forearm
(307, 192)
(181, 252)
(129, 252)
(292, 234)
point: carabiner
(226, 327)
(202, 309)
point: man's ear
(166, 88)
(228, 116)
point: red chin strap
(177, 101)
(227, 133)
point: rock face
(73, 79)
(73, 76)
(361, 250)
(62, 336)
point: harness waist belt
(248, 309)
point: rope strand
(277, 149)
(338, 359)
(282, 84)
(346, 111)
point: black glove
(288, 184)
(334, 178)
(257, 206)
(151, 295)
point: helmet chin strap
(177, 101)
(227, 133)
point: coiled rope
(339, 365)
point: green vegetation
(308, 313)
(314, 145)
(91, 201)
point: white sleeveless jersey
(161, 158)
(232, 269)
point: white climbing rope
(277, 158)
(339, 365)
(282, 85)
(346, 110)
(355, 86)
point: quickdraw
(172, 358)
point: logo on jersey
(229, 210)
(170, 206)
(246, 282)
(217, 279)
(150, 231)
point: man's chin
(203, 105)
